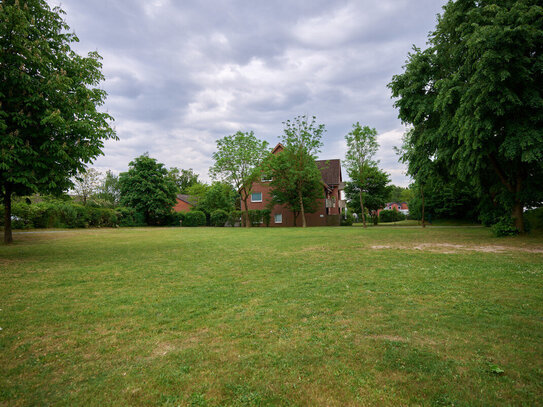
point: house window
(266, 178)
(278, 218)
(256, 197)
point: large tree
(147, 188)
(50, 127)
(237, 160)
(109, 189)
(474, 99)
(361, 148)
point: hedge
(219, 217)
(194, 218)
(390, 216)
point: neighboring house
(399, 206)
(184, 203)
(330, 206)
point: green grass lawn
(321, 316)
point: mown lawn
(323, 316)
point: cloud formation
(180, 75)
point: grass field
(323, 316)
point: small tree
(147, 188)
(361, 148)
(237, 161)
(87, 183)
(184, 179)
(50, 127)
(109, 189)
(296, 178)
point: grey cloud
(180, 75)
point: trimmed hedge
(194, 218)
(219, 218)
(391, 216)
(66, 214)
(234, 217)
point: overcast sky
(181, 74)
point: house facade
(329, 207)
(399, 206)
(184, 203)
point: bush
(176, 219)
(129, 217)
(266, 216)
(219, 217)
(347, 220)
(255, 215)
(194, 218)
(504, 227)
(234, 217)
(535, 218)
(391, 216)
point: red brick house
(184, 203)
(399, 206)
(329, 210)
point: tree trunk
(304, 224)
(518, 216)
(246, 219)
(8, 237)
(362, 207)
(422, 196)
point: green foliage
(130, 217)
(504, 227)
(474, 101)
(266, 216)
(177, 218)
(400, 194)
(147, 188)
(375, 190)
(67, 214)
(219, 217)
(194, 218)
(218, 196)
(535, 218)
(237, 161)
(109, 190)
(347, 220)
(297, 181)
(234, 217)
(391, 216)
(183, 179)
(256, 217)
(50, 127)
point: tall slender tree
(302, 141)
(50, 125)
(237, 160)
(361, 148)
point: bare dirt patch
(457, 248)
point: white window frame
(275, 218)
(264, 179)
(252, 200)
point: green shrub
(255, 216)
(266, 216)
(391, 216)
(219, 217)
(234, 217)
(535, 218)
(176, 219)
(347, 220)
(504, 227)
(194, 218)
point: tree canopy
(474, 101)
(375, 190)
(296, 178)
(50, 125)
(147, 188)
(237, 160)
(361, 148)
(184, 179)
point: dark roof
(331, 171)
(191, 200)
